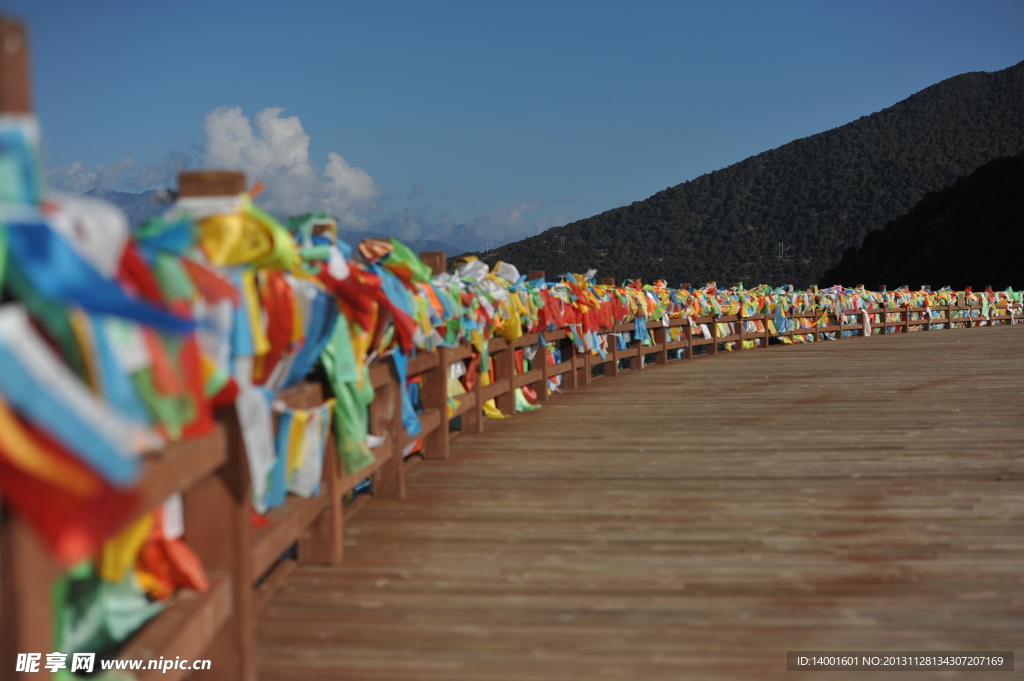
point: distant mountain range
(140, 207)
(412, 228)
(969, 234)
(786, 215)
(417, 245)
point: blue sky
(510, 117)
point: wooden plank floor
(696, 521)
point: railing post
(540, 361)
(571, 379)
(860, 287)
(714, 335)
(504, 369)
(541, 358)
(15, 83)
(225, 546)
(434, 395)
(989, 321)
(739, 331)
(434, 381)
(210, 183)
(966, 314)
(567, 350)
(324, 542)
(585, 377)
(688, 337)
(436, 260)
(386, 419)
(27, 575)
(636, 362)
(473, 419)
(27, 572)
(927, 326)
(661, 337)
(885, 313)
(612, 368)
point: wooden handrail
(245, 565)
(213, 474)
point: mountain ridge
(971, 233)
(813, 197)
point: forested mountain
(816, 196)
(968, 234)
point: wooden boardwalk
(695, 521)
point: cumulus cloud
(124, 174)
(275, 150)
(270, 148)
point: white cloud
(275, 150)
(269, 148)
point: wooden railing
(246, 564)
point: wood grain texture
(695, 521)
(185, 629)
(26, 613)
(210, 183)
(179, 466)
(15, 72)
(287, 524)
(218, 528)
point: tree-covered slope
(817, 196)
(969, 234)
